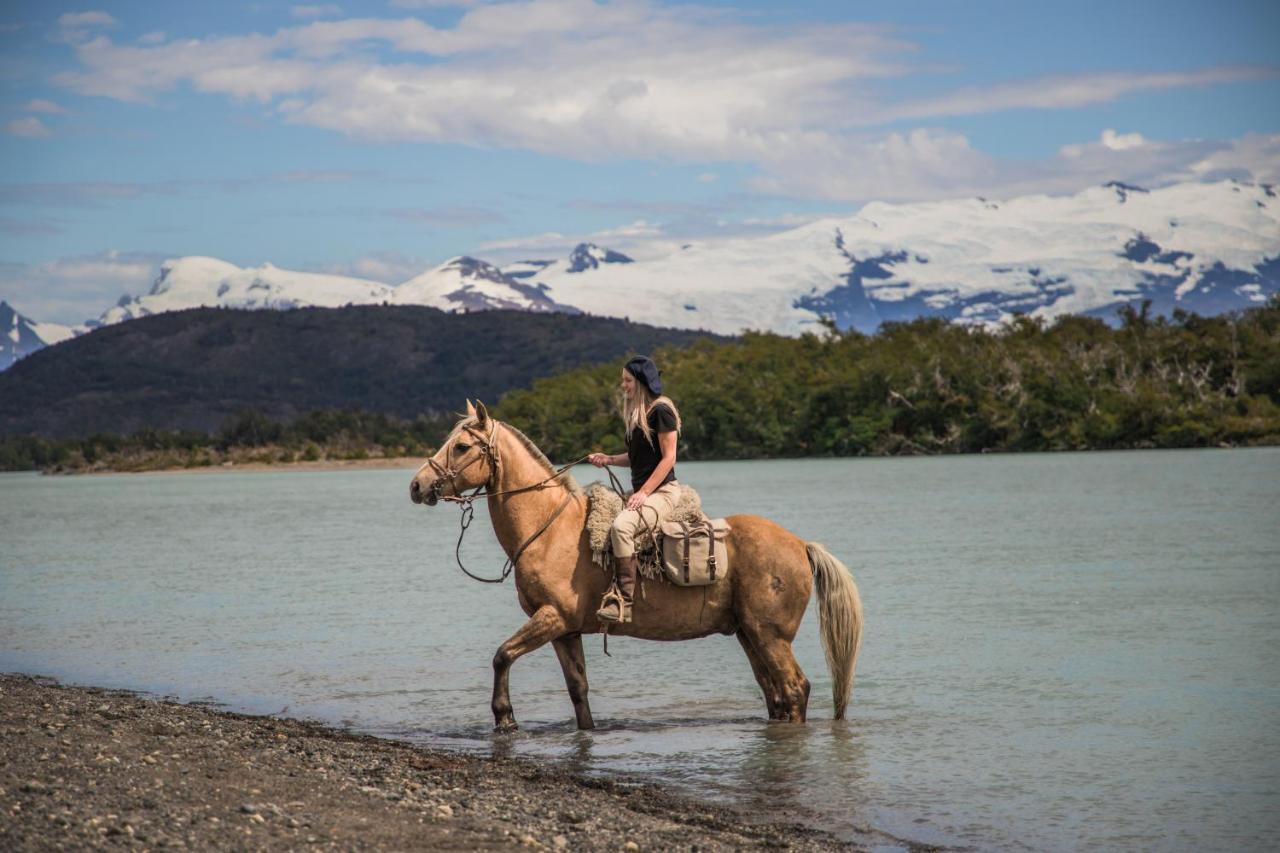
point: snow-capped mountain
(585, 256)
(467, 284)
(1203, 247)
(20, 336)
(195, 282)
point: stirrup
(614, 599)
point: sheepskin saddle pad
(603, 506)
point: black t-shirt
(644, 457)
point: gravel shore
(84, 767)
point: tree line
(918, 387)
(928, 386)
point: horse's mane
(566, 479)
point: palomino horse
(772, 573)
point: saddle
(688, 538)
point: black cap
(647, 373)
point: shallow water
(1062, 651)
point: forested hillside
(192, 370)
(931, 387)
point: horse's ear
(482, 414)
(471, 410)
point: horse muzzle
(429, 496)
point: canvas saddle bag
(694, 554)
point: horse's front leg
(544, 625)
(574, 664)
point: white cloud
(707, 178)
(42, 106)
(633, 79)
(386, 267)
(74, 27)
(153, 37)
(28, 128)
(322, 10)
(74, 289)
(86, 20)
(1061, 92)
(1254, 157)
(1121, 142)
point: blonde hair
(635, 411)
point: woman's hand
(637, 499)
(600, 460)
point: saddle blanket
(603, 506)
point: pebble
(257, 818)
(559, 842)
(631, 845)
(445, 811)
(249, 808)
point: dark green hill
(192, 369)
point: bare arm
(600, 460)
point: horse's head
(467, 459)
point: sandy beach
(85, 767)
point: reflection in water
(799, 769)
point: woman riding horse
(652, 424)
(539, 516)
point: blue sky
(381, 138)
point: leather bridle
(488, 445)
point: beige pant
(657, 508)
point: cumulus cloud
(73, 289)
(28, 128)
(1120, 142)
(1254, 157)
(634, 79)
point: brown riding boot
(616, 605)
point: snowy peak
(589, 256)
(1202, 247)
(199, 282)
(467, 284)
(20, 336)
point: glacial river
(1063, 651)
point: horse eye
(461, 447)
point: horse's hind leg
(543, 626)
(574, 664)
(786, 674)
(771, 697)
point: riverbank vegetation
(926, 386)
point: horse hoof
(505, 726)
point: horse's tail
(839, 620)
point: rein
(488, 447)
